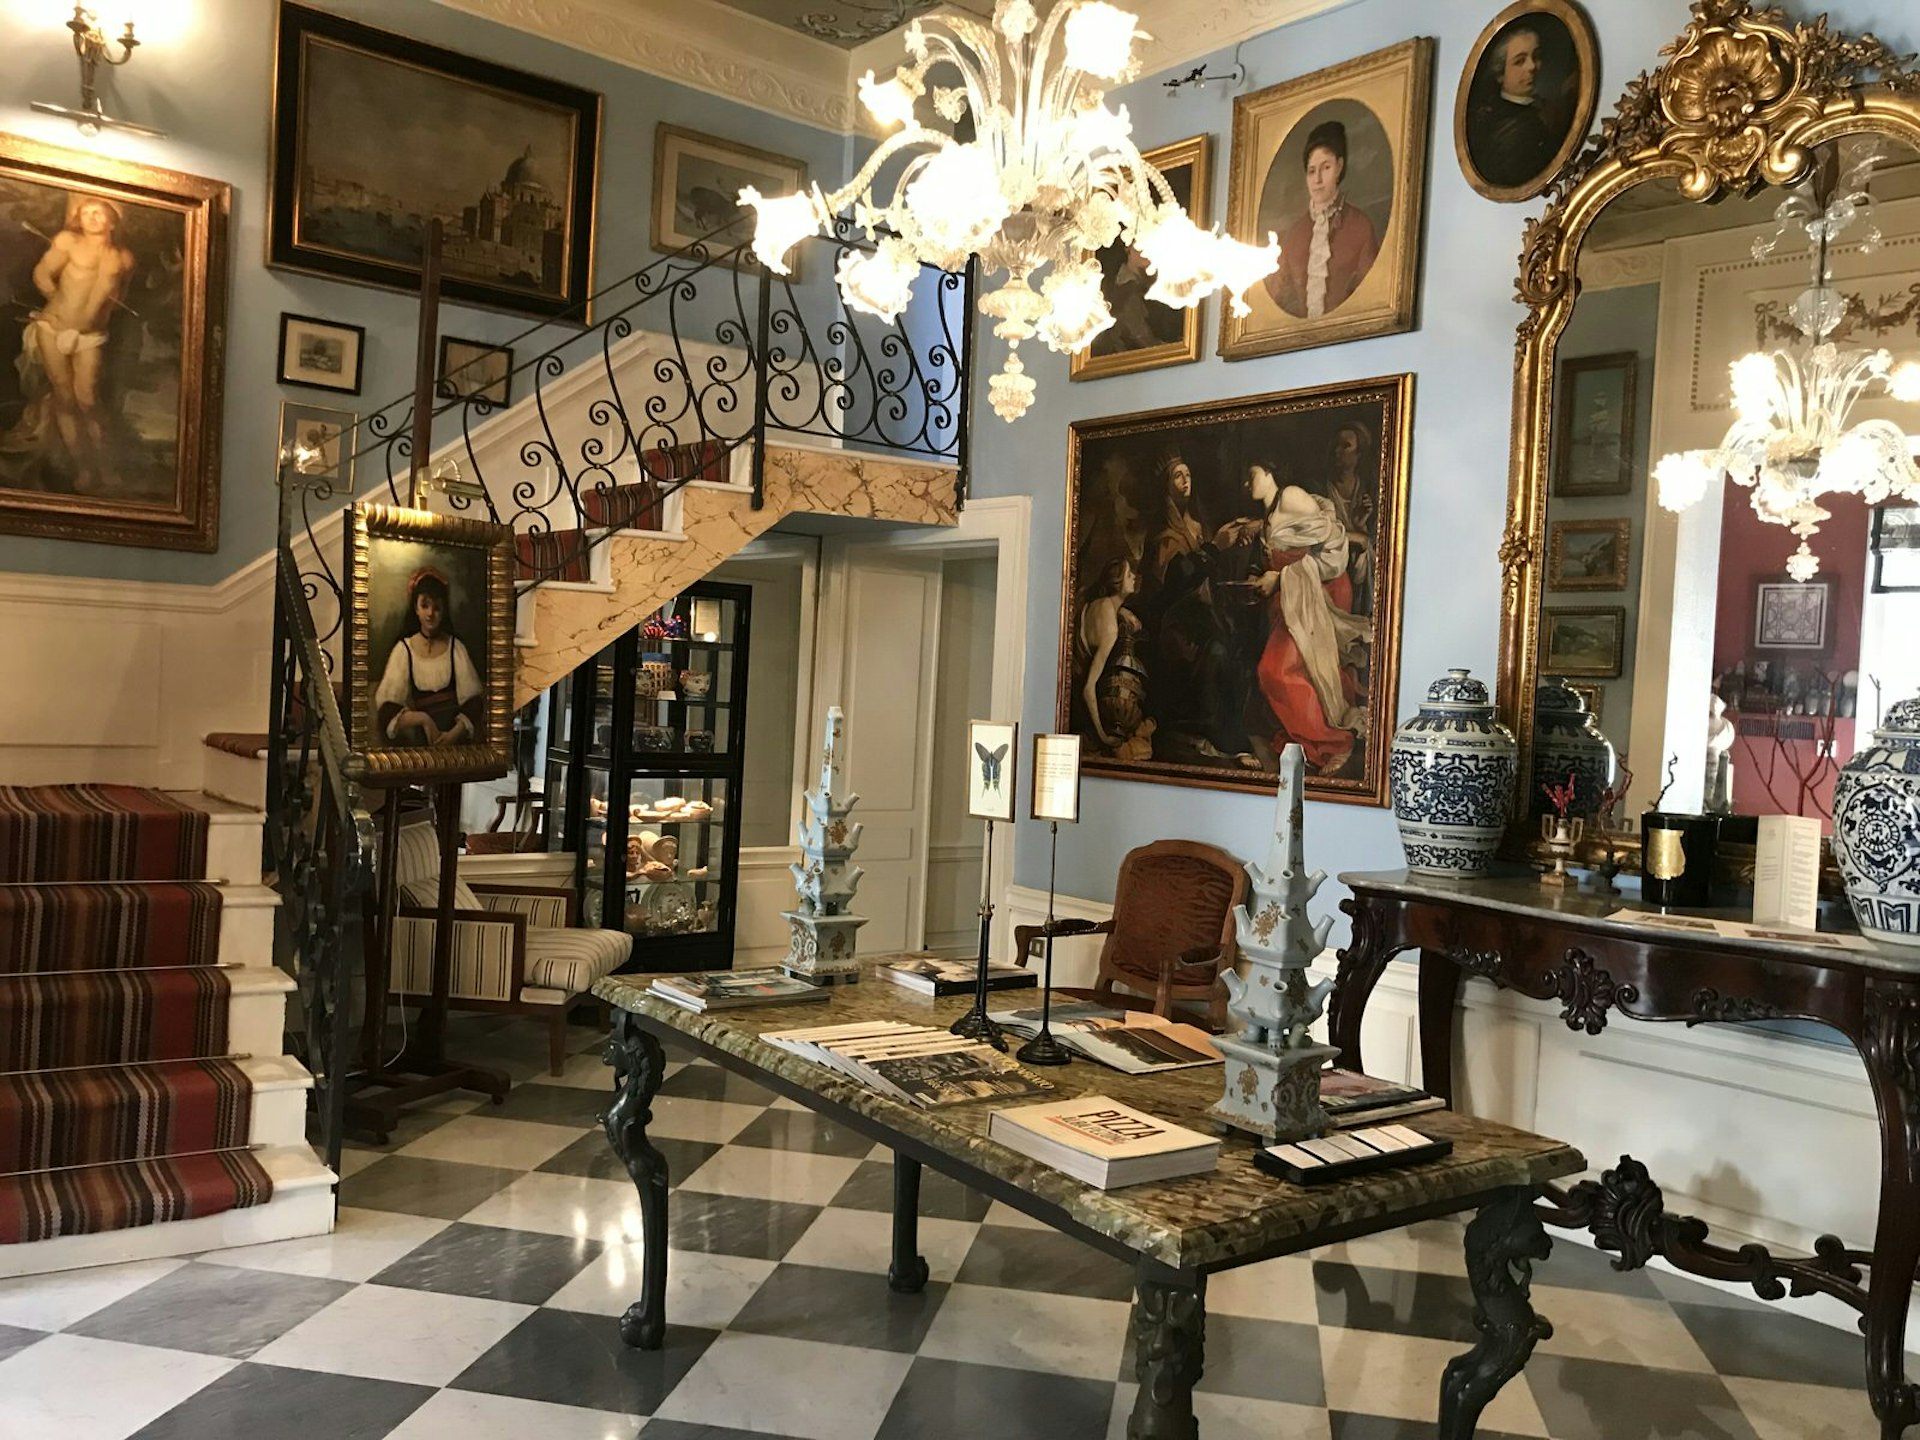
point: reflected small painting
(1593, 425)
(1585, 641)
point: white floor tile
(679, 1117)
(1624, 1328)
(352, 1162)
(483, 1140)
(363, 1243)
(1234, 1417)
(1778, 1410)
(386, 1333)
(1000, 1213)
(69, 1387)
(604, 1210)
(789, 1387)
(583, 1072)
(793, 1175)
(1060, 1334)
(463, 1415)
(1435, 1247)
(1375, 1373)
(852, 1240)
(53, 1302)
(1272, 1290)
(703, 1291)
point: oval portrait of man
(1526, 98)
(1328, 195)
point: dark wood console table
(1558, 945)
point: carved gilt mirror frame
(1738, 103)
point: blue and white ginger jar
(1453, 770)
(1876, 828)
(1567, 740)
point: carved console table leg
(1891, 1047)
(1439, 994)
(1360, 968)
(1503, 1241)
(907, 1274)
(639, 1065)
(1169, 1332)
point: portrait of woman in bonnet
(1326, 251)
(431, 693)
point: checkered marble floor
(481, 1257)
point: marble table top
(1522, 894)
(1233, 1214)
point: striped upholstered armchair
(515, 947)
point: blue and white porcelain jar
(1452, 771)
(1567, 741)
(1876, 828)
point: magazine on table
(1134, 1042)
(930, 975)
(917, 1064)
(704, 990)
(1103, 1143)
(1350, 1098)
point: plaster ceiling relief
(846, 23)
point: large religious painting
(1232, 585)
(430, 653)
(111, 360)
(1145, 334)
(375, 135)
(1334, 164)
(1526, 97)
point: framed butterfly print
(993, 750)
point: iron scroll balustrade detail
(689, 370)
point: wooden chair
(1171, 933)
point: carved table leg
(907, 1274)
(639, 1065)
(1891, 1047)
(1503, 1241)
(1439, 993)
(1360, 967)
(1169, 1331)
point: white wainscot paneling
(953, 898)
(766, 889)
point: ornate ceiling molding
(1184, 30)
(709, 47)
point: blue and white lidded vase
(1567, 741)
(1453, 770)
(1876, 828)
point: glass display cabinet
(643, 779)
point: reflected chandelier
(1789, 441)
(1048, 179)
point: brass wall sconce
(90, 43)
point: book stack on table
(1351, 1099)
(1100, 1142)
(930, 975)
(1134, 1042)
(704, 990)
(916, 1064)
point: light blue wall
(211, 88)
(1461, 355)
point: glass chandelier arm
(913, 134)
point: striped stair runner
(135, 926)
(118, 1106)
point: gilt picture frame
(1589, 554)
(1178, 657)
(126, 332)
(430, 658)
(1526, 98)
(697, 179)
(376, 133)
(1347, 144)
(1594, 421)
(1587, 641)
(1147, 335)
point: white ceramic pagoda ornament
(1272, 1063)
(820, 928)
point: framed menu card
(1056, 777)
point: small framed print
(696, 183)
(321, 354)
(1589, 554)
(992, 760)
(1791, 615)
(475, 370)
(1592, 694)
(1056, 778)
(1588, 641)
(319, 443)
(1594, 423)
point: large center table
(1175, 1233)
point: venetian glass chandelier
(1790, 441)
(1049, 177)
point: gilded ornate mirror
(1681, 238)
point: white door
(880, 614)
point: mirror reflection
(1730, 652)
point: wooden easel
(422, 1069)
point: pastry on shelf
(656, 871)
(696, 810)
(698, 872)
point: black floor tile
(946, 1399)
(1581, 1267)
(803, 1130)
(941, 1198)
(212, 1310)
(289, 1404)
(1256, 1359)
(839, 1307)
(1345, 1426)
(568, 1359)
(1020, 1259)
(1601, 1400)
(736, 1224)
(685, 1430)
(552, 1105)
(710, 1082)
(13, 1339)
(1775, 1344)
(1404, 1302)
(410, 1126)
(492, 1264)
(593, 1157)
(441, 1189)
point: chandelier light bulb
(1077, 310)
(1905, 383)
(1100, 39)
(1683, 478)
(879, 282)
(783, 223)
(890, 104)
